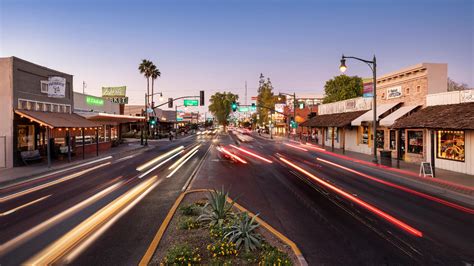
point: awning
(56, 120)
(110, 118)
(391, 118)
(450, 116)
(333, 120)
(369, 115)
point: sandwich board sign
(426, 169)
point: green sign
(179, 119)
(114, 91)
(191, 102)
(91, 100)
(243, 109)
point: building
(38, 122)
(165, 119)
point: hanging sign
(368, 89)
(56, 87)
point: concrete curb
(159, 234)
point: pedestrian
(171, 135)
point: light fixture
(343, 66)
(161, 97)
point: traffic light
(201, 98)
(234, 106)
(152, 121)
(170, 102)
(253, 107)
(293, 123)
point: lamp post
(373, 66)
(294, 108)
(147, 105)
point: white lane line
(59, 171)
(157, 159)
(177, 168)
(158, 165)
(68, 177)
(184, 157)
(23, 206)
(125, 158)
(54, 220)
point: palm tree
(155, 73)
(145, 69)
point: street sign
(243, 109)
(191, 102)
(179, 119)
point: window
(22, 104)
(26, 137)
(407, 91)
(383, 95)
(68, 109)
(39, 107)
(415, 142)
(418, 89)
(451, 145)
(44, 86)
(365, 135)
(29, 105)
(393, 140)
(329, 133)
(380, 139)
(47, 107)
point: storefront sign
(57, 87)
(279, 107)
(191, 102)
(467, 96)
(394, 92)
(96, 101)
(368, 90)
(120, 100)
(350, 104)
(111, 92)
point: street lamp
(373, 66)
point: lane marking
(177, 168)
(390, 184)
(157, 159)
(251, 154)
(66, 178)
(24, 206)
(158, 165)
(20, 239)
(360, 202)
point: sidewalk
(17, 174)
(454, 181)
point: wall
(350, 105)
(80, 104)
(6, 109)
(352, 143)
(452, 97)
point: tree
(154, 73)
(454, 86)
(220, 106)
(342, 88)
(267, 99)
(145, 68)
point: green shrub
(244, 232)
(189, 210)
(188, 223)
(182, 254)
(217, 210)
(222, 249)
(272, 256)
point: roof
(402, 111)
(450, 116)
(333, 120)
(368, 116)
(104, 117)
(53, 119)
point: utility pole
(83, 87)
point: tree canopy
(342, 88)
(265, 98)
(220, 106)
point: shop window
(451, 145)
(380, 139)
(44, 86)
(365, 135)
(329, 134)
(26, 137)
(393, 140)
(415, 142)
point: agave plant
(217, 210)
(243, 232)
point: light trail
(45, 185)
(125, 158)
(411, 191)
(314, 147)
(157, 159)
(184, 157)
(296, 147)
(72, 239)
(20, 239)
(158, 165)
(177, 168)
(360, 202)
(23, 206)
(233, 155)
(251, 154)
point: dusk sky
(218, 45)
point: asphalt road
(36, 214)
(328, 228)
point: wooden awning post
(83, 145)
(68, 136)
(332, 139)
(48, 146)
(97, 141)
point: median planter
(195, 233)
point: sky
(219, 45)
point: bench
(30, 156)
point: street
(328, 227)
